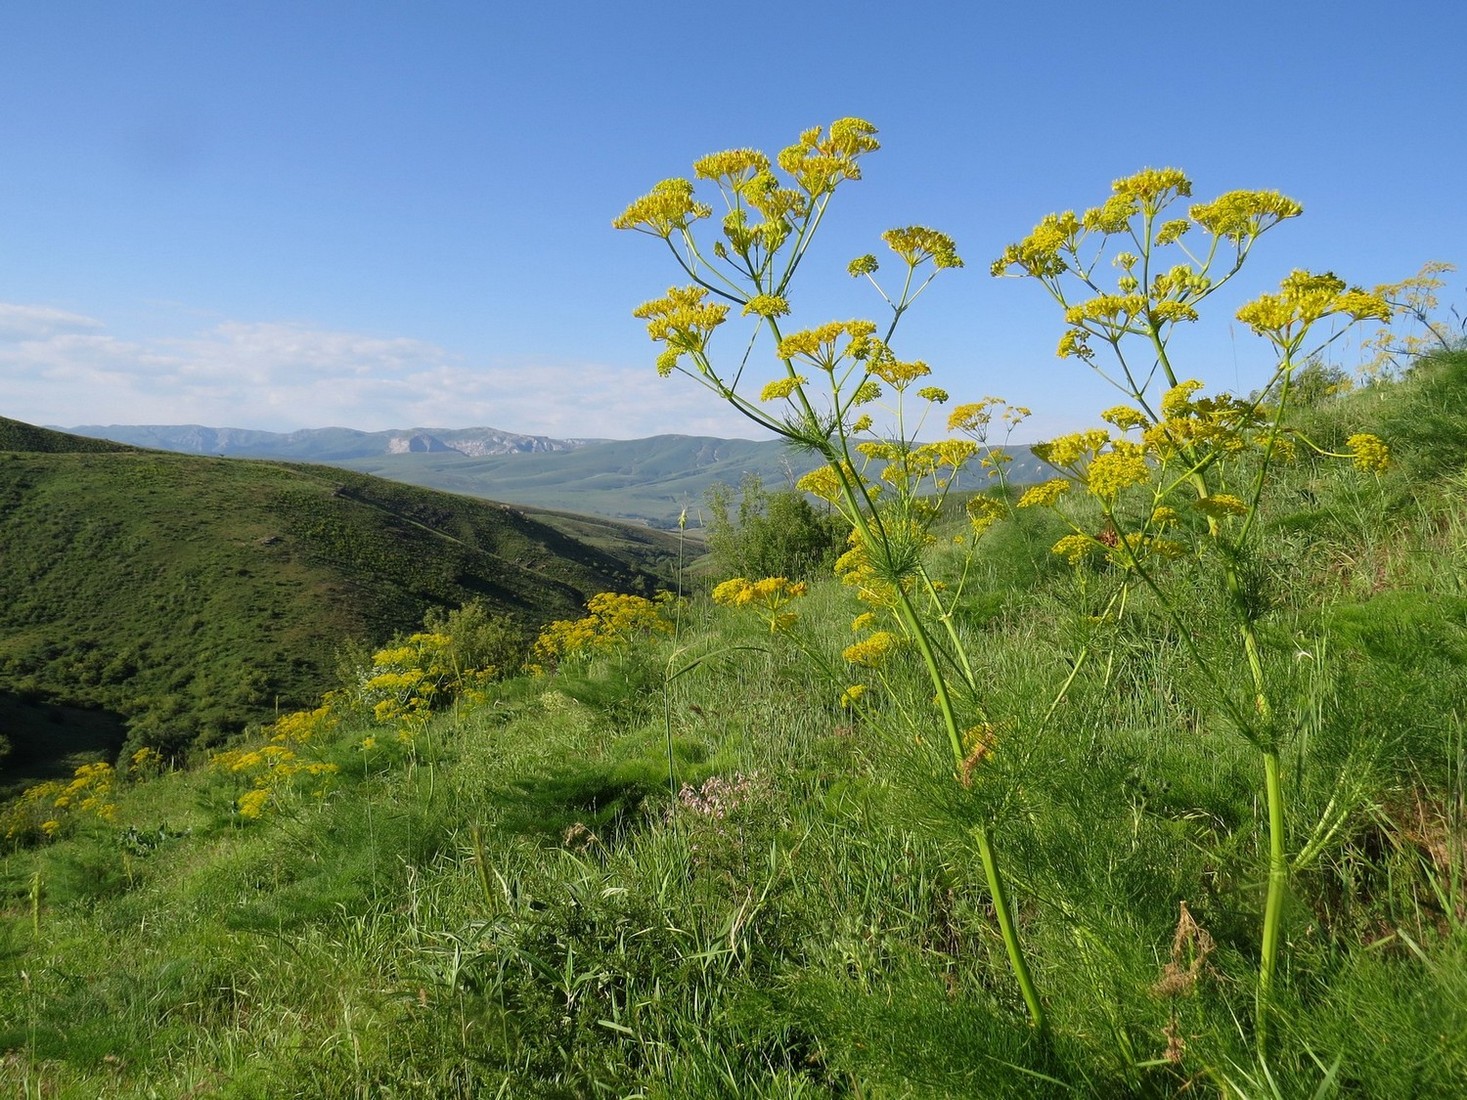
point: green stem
(944, 615)
(35, 892)
(667, 725)
(1278, 875)
(908, 614)
(1017, 962)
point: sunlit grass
(514, 904)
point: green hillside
(504, 897)
(16, 435)
(180, 597)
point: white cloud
(62, 368)
(22, 323)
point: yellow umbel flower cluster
(767, 305)
(43, 810)
(821, 346)
(781, 388)
(270, 770)
(825, 482)
(898, 373)
(1042, 253)
(770, 596)
(1241, 215)
(1414, 298)
(1044, 495)
(683, 321)
(917, 244)
(871, 650)
(1369, 452)
(613, 620)
(408, 679)
(306, 725)
(667, 209)
(1304, 298)
(1064, 244)
(1119, 468)
(819, 163)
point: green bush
(770, 534)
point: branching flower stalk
(833, 380)
(1414, 299)
(1208, 455)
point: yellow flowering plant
(831, 382)
(770, 597)
(1414, 299)
(280, 762)
(1178, 451)
(612, 621)
(44, 810)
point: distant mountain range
(324, 444)
(646, 481)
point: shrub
(772, 534)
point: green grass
(514, 905)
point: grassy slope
(198, 593)
(510, 904)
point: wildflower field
(1143, 780)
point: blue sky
(288, 215)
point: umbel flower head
(770, 596)
(871, 650)
(1305, 298)
(1370, 452)
(667, 209)
(1135, 216)
(818, 162)
(683, 321)
(916, 244)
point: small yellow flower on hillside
(252, 803)
(871, 650)
(1114, 471)
(771, 595)
(1219, 505)
(1045, 494)
(1076, 548)
(1369, 451)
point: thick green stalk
(1017, 962)
(1278, 868)
(1273, 906)
(915, 629)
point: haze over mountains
(324, 444)
(647, 480)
